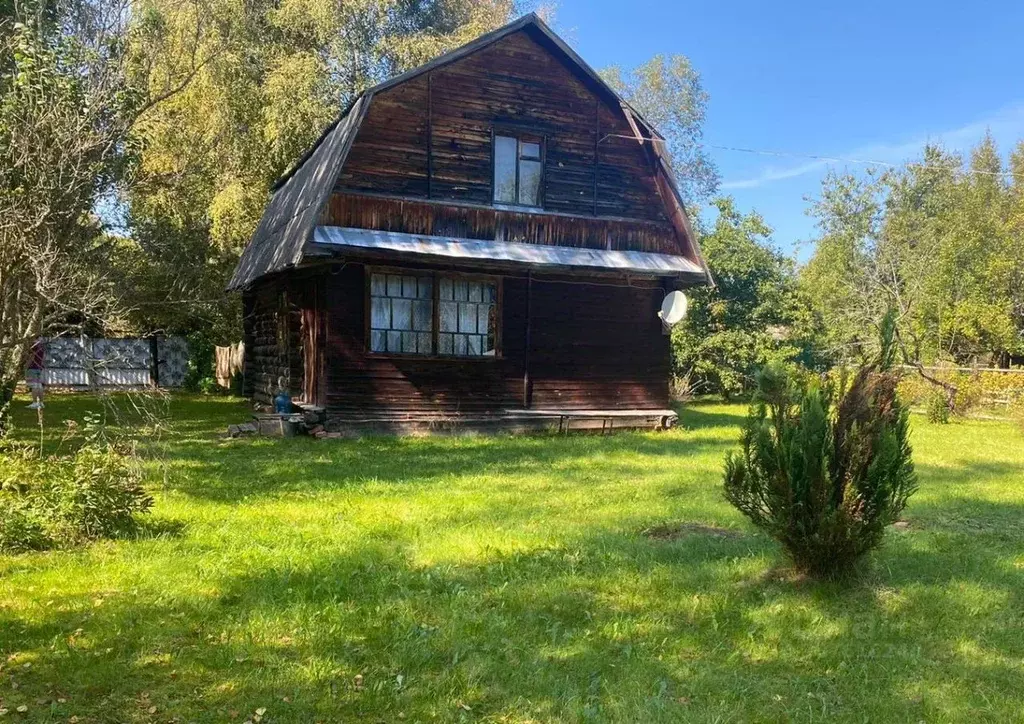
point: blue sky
(863, 80)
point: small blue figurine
(282, 403)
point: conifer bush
(825, 467)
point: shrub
(938, 408)
(20, 529)
(53, 501)
(981, 388)
(1017, 412)
(95, 494)
(201, 363)
(825, 468)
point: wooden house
(486, 237)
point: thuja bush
(825, 467)
(62, 500)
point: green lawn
(510, 580)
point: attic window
(518, 169)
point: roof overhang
(533, 256)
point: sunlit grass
(508, 580)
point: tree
(754, 315)
(667, 91)
(66, 112)
(934, 240)
(825, 470)
(205, 161)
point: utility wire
(805, 156)
(840, 159)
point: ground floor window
(433, 314)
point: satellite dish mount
(673, 310)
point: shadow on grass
(604, 626)
(230, 470)
(158, 528)
(528, 633)
(967, 472)
(608, 627)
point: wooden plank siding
(411, 216)
(592, 346)
(431, 137)
(597, 346)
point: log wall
(272, 321)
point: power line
(805, 156)
(840, 159)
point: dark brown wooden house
(488, 236)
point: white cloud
(1005, 125)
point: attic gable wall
(430, 137)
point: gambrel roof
(285, 233)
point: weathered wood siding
(359, 383)
(592, 346)
(270, 310)
(430, 137)
(595, 346)
(413, 217)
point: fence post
(154, 361)
(89, 348)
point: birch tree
(67, 110)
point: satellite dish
(673, 308)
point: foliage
(21, 530)
(980, 388)
(668, 93)
(824, 471)
(201, 361)
(68, 113)
(942, 241)
(937, 410)
(273, 75)
(755, 314)
(60, 500)
(1016, 410)
(56, 109)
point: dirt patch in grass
(675, 531)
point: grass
(526, 579)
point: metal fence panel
(102, 362)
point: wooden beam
(632, 124)
(430, 134)
(526, 353)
